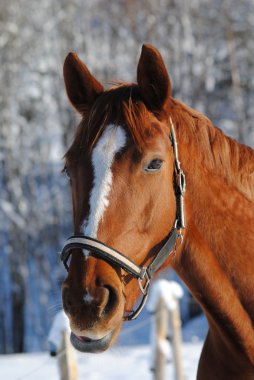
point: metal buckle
(144, 276)
(180, 235)
(182, 182)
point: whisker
(55, 305)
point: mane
(217, 152)
(120, 105)
(123, 105)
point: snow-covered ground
(118, 363)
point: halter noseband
(112, 256)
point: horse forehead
(116, 137)
(111, 142)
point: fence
(166, 328)
(165, 332)
(67, 363)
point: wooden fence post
(161, 331)
(164, 305)
(66, 360)
(175, 321)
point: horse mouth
(85, 344)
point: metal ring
(147, 278)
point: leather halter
(112, 256)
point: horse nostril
(100, 300)
(112, 299)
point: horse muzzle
(86, 344)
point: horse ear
(153, 79)
(81, 87)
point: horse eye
(154, 165)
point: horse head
(121, 170)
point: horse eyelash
(66, 172)
(63, 170)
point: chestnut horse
(124, 172)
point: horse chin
(95, 336)
(85, 344)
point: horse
(155, 184)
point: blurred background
(208, 47)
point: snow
(169, 291)
(59, 326)
(119, 362)
(9, 211)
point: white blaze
(111, 142)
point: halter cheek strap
(109, 254)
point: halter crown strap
(180, 180)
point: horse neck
(219, 238)
(219, 154)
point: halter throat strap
(141, 273)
